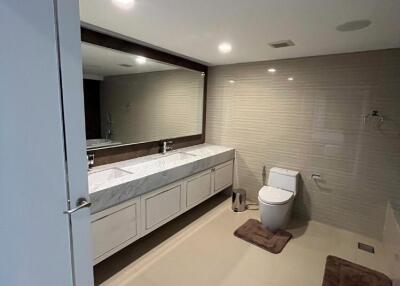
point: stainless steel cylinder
(239, 200)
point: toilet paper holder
(316, 177)
(374, 114)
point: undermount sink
(160, 162)
(100, 177)
(176, 156)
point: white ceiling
(100, 62)
(195, 28)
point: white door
(41, 155)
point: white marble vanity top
(112, 184)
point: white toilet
(277, 198)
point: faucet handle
(167, 142)
(90, 157)
(90, 160)
(165, 146)
(169, 147)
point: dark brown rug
(340, 272)
(252, 231)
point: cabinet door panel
(223, 176)
(198, 188)
(113, 229)
(162, 206)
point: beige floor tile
(205, 252)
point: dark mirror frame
(134, 150)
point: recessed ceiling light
(140, 60)
(124, 4)
(290, 78)
(231, 81)
(225, 48)
(271, 70)
(353, 25)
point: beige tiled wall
(152, 106)
(314, 124)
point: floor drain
(366, 247)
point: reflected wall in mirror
(130, 99)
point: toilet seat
(274, 196)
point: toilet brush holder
(238, 200)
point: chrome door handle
(80, 204)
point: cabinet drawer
(114, 228)
(160, 207)
(223, 176)
(198, 188)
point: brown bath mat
(252, 231)
(340, 272)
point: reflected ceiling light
(232, 81)
(290, 78)
(140, 60)
(124, 4)
(271, 70)
(225, 48)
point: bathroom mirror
(133, 99)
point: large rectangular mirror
(131, 99)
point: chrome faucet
(166, 147)
(90, 161)
(109, 126)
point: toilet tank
(283, 179)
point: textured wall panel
(152, 106)
(314, 124)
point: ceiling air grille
(281, 44)
(125, 65)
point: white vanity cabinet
(115, 228)
(223, 176)
(198, 188)
(161, 206)
(118, 226)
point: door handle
(80, 204)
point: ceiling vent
(125, 65)
(281, 44)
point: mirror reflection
(131, 99)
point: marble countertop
(141, 175)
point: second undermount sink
(163, 161)
(176, 156)
(97, 178)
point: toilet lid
(274, 196)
